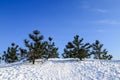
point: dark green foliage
(36, 47)
(98, 52)
(23, 54)
(39, 49)
(11, 54)
(0, 59)
(77, 49)
(51, 50)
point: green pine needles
(51, 50)
(100, 53)
(77, 49)
(37, 48)
(11, 54)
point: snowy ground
(62, 69)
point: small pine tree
(11, 54)
(98, 52)
(77, 49)
(35, 48)
(51, 50)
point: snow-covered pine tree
(36, 47)
(11, 55)
(98, 52)
(51, 50)
(77, 49)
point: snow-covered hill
(62, 69)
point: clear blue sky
(61, 19)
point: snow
(61, 69)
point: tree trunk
(33, 60)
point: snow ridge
(62, 69)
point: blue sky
(61, 19)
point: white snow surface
(61, 69)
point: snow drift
(61, 69)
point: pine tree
(100, 53)
(11, 55)
(51, 50)
(77, 49)
(36, 47)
